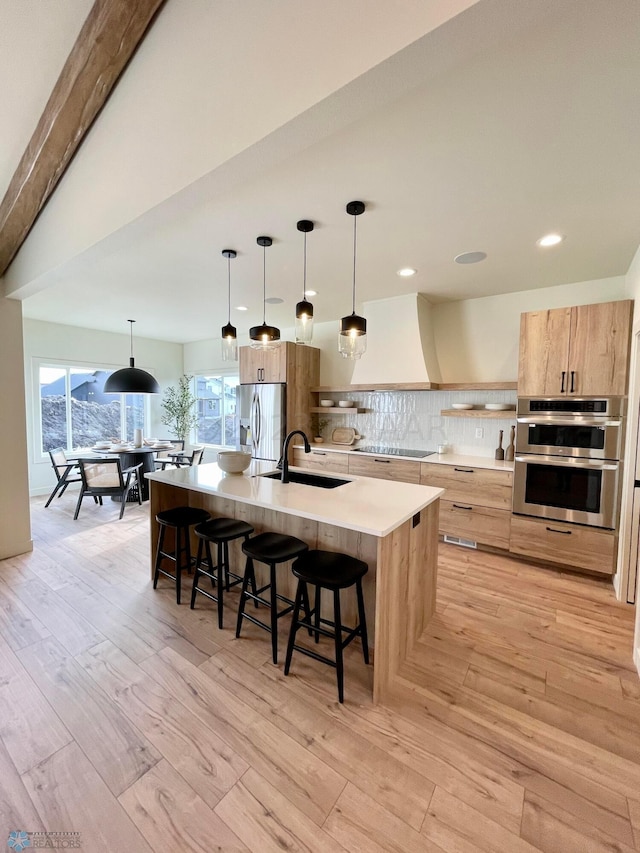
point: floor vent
(457, 540)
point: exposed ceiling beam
(107, 41)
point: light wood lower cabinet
(384, 468)
(476, 503)
(587, 548)
(478, 523)
(321, 460)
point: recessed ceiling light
(311, 293)
(241, 308)
(274, 300)
(550, 240)
(470, 257)
(406, 272)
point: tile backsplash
(412, 419)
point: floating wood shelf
(422, 386)
(505, 414)
(337, 410)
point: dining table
(130, 456)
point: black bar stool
(272, 549)
(180, 519)
(326, 570)
(221, 531)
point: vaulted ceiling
(481, 126)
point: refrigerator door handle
(253, 422)
(259, 417)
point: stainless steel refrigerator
(262, 426)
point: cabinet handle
(465, 470)
(318, 453)
(553, 530)
(564, 373)
(573, 373)
(383, 461)
(459, 506)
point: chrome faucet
(283, 462)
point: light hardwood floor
(143, 727)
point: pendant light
(304, 309)
(264, 336)
(131, 380)
(352, 338)
(229, 333)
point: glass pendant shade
(352, 337)
(264, 336)
(304, 322)
(228, 333)
(229, 343)
(131, 380)
(304, 309)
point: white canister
(443, 448)
(137, 438)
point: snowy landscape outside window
(216, 407)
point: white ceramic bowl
(233, 461)
(499, 407)
(345, 404)
(326, 403)
(462, 405)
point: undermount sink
(308, 479)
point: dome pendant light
(352, 338)
(229, 333)
(304, 309)
(131, 380)
(264, 336)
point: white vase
(137, 438)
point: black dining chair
(162, 456)
(185, 460)
(63, 470)
(107, 478)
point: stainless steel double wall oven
(567, 462)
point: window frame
(67, 365)
(214, 374)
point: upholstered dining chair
(63, 470)
(107, 478)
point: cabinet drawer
(322, 460)
(480, 523)
(572, 545)
(384, 468)
(466, 485)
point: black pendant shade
(264, 336)
(304, 309)
(131, 380)
(229, 332)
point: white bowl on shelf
(499, 407)
(326, 403)
(345, 404)
(462, 405)
(233, 461)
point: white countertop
(365, 504)
(436, 458)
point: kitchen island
(393, 527)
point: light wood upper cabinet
(579, 351)
(258, 365)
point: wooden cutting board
(344, 435)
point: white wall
(69, 344)
(15, 523)
(477, 339)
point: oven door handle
(576, 422)
(568, 462)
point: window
(75, 411)
(216, 407)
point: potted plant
(317, 425)
(178, 405)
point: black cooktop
(381, 450)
